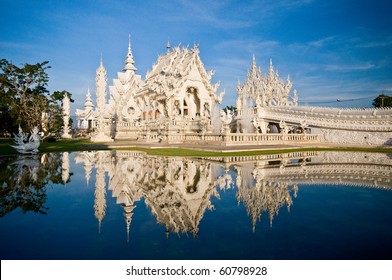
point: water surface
(128, 205)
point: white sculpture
(30, 147)
(66, 112)
(226, 118)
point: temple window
(131, 110)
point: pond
(129, 205)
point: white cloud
(349, 67)
(322, 42)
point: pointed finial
(167, 232)
(128, 229)
(271, 69)
(129, 44)
(254, 68)
(168, 45)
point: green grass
(57, 146)
(86, 145)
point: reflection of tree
(24, 181)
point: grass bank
(85, 145)
(62, 145)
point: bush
(50, 139)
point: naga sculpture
(27, 147)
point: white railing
(259, 139)
(233, 139)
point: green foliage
(230, 108)
(25, 90)
(54, 121)
(25, 181)
(25, 101)
(382, 101)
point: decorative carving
(27, 147)
(226, 118)
(265, 91)
(66, 112)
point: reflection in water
(178, 191)
(25, 179)
(217, 200)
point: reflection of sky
(325, 221)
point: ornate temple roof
(172, 69)
(88, 104)
(268, 90)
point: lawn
(86, 145)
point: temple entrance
(192, 102)
(89, 125)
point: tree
(25, 182)
(230, 108)
(382, 101)
(25, 101)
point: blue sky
(335, 49)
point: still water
(129, 205)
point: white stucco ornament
(25, 146)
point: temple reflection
(178, 191)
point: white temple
(176, 98)
(177, 103)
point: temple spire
(101, 86)
(129, 62)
